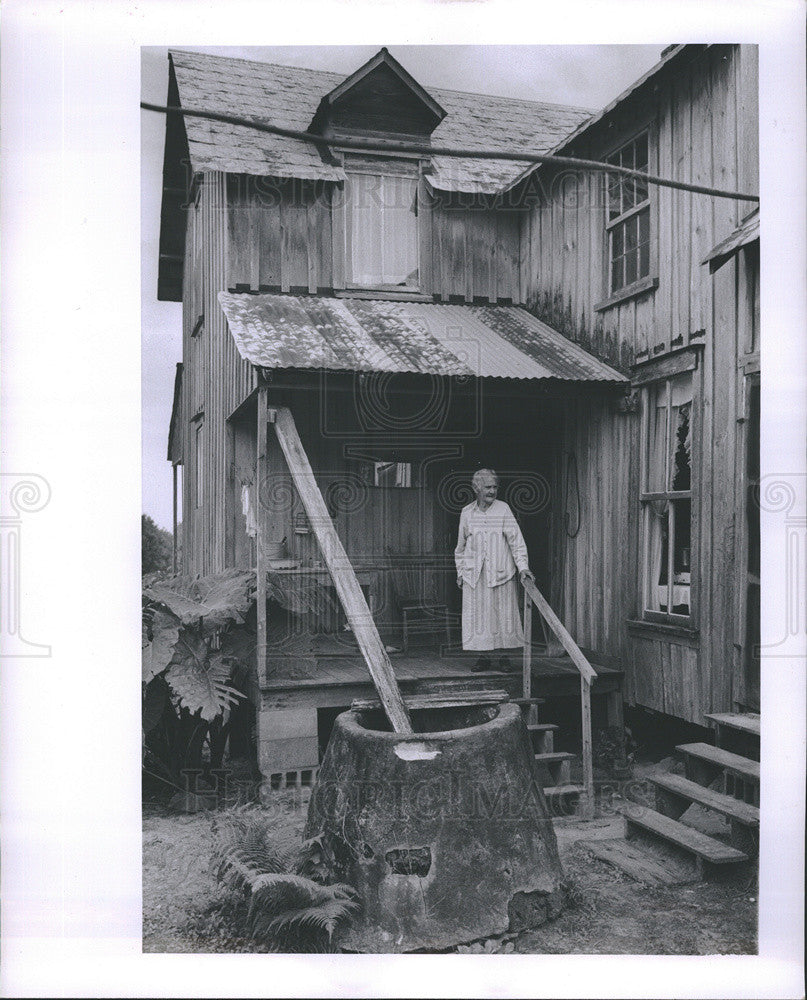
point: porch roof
(351, 334)
(747, 232)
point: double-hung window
(381, 230)
(666, 498)
(628, 224)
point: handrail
(586, 670)
(587, 675)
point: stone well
(445, 833)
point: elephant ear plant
(199, 665)
(198, 653)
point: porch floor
(340, 665)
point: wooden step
(640, 864)
(743, 722)
(554, 791)
(683, 788)
(542, 727)
(527, 701)
(705, 849)
(557, 766)
(553, 758)
(722, 760)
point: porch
(296, 713)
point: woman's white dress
(490, 550)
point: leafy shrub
(286, 910)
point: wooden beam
(341, 570)
(568, 643)
(588, 763)
(174, 545)
(260, 561)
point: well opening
(432, 720)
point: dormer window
(381, 234)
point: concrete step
(706, 850)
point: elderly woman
(490, 549)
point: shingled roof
(289, 97)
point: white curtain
(383, 229)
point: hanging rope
(571, 462)
(394, 146)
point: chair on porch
(419, 614)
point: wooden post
(260, 561)
(588, 764)
(341, 570)
(526, 684)
(174, 548)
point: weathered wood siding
(289, 235)
(704, 120)
(474, 251)
(218, 379)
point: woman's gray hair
(477, 476)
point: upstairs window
(381, 235)
(628, 223)
(667, 498)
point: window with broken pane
(667, 497)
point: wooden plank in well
(438, 700)
(342, 573)
(639, 864)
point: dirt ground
(607, 912)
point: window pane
(644, 260)
(682, 517)
(657, 439)
(614, 203)
(657, 549)
(631, 261)
(681, 457)
(631, 234)
(640, 152)
(617, 279)
(617, 244)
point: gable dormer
(379, 98)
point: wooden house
(421, 315)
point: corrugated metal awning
(347, 334)
(745, 233)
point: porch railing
(532, 595)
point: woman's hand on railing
(525, 575)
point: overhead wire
(422, 149)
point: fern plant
(286, 910)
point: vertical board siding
(280, 234)
(706, 132)
(475, 253)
